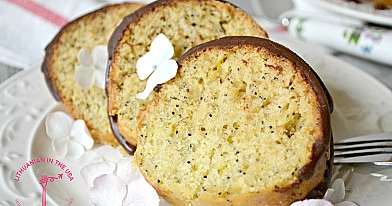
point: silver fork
(374, 148)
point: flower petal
(94, 170)
(75, 150)
(165, 71)
(100, 153)
(108, 190)
(100, 57)
(145, 65)
(60, 146)
(108, 153)
(328, 194)
(141, 193)
(124, 170)
(339, 192)
(81, 135)
(312, 202)
(84, 57)
(84, 77)
(161, 49)
(100, 78)
(162, 74)
(149, 88)
(58, 125)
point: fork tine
(361, 147)
(361, 154)
(361, 142)
(337, 148)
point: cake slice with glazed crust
(245, 122)
(91, 30)
(185, 23)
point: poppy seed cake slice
(61, 60)
(185, 23)
(245, 122)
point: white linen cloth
(27, 26)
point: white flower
(312, 202)
(141, 193)
(108, 190)
(116, 184)
(112, 190)
(121, 168)
(69, 138)
(92, 67)
(102, 153)
(334, 196)
(93, 170)
(157, 65)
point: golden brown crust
(61, 60)
(186, 23)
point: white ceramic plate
(362, 106)
(364, 11)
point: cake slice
(185, 23)
(245, 122)
(89, 31)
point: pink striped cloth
(27, 26)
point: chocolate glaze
(117, 36)
(46, 64)
(320, 190)
(130, 149)
(130, 19)
(45, 69)
(135, 16)
(323, 96)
